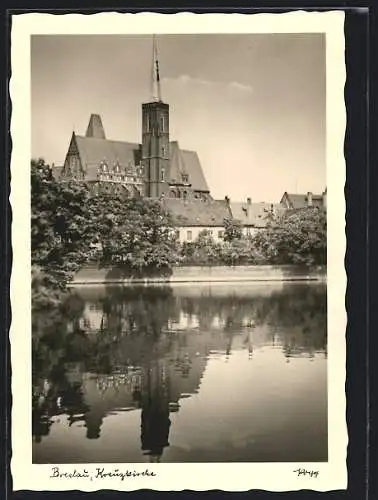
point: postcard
(178, 235)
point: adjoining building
(191, 217)
(298, 201)
(253, 216)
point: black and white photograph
(184, 258)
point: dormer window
(185, 178)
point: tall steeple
(155, 73)
(155, 135)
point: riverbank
(92, 275)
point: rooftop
(197, 213)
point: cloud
(188, 80)
(241, 86)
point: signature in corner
(304, 472)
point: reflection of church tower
(155, 412)
(155, 136)
(93, 423)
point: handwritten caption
(99, 473)
(102, 473)
(307, 473)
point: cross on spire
(155, 73)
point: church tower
(155, 136)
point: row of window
(178, 194)
(189, 234)
(117, 188)
(118, 178)
(117, 169)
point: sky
(253, 106)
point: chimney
(227, 199)
(309, 199)
(249, 201)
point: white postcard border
(224, 476)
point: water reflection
(114, 353)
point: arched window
(172, 193)
(185, 195)
(73, 163)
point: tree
(296, 237)
(60, 228)
(134, 234)
(206, 250)
(233, 229)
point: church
(155, 168)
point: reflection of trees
(296, 316)
(145, 310)
(140, 338)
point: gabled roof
(253, 214)
(186, 162)
(93, 151)
(177, 163)
(197, 213)
(301, 200)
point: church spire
(155, 74)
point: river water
(183, 373)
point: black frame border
(360, 192)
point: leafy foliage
(60, 229)
(70, 228)
(297, 237)
(233, 230)
(133, 234)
